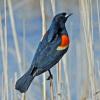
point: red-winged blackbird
(51, 49)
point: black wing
(49, 55)
(45, 45)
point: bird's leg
(50, 75)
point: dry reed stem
(11, 90)
(24, 46)
(66, 77)
(81, 85)
(15, 79)
(91, 19)
(6, 52)
(2, 51)
(98, 65)
(23, 96)
(59, 81)
(15, 36)
(79, 69)
(98, 71)
(3, 98)
(53, 7)
(88, 39)
(98, 14)
(4, 63)
(51, 90)
(43, 32)
(43, 17)
(51, 82)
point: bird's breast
(64, 42)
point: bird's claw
(50, 77)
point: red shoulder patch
(64, 40)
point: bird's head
(58, 25)
(61, 18)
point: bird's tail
(24, 82)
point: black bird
(51, 49)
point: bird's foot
(50, 77)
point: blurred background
(22, 24)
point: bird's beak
(67, 16)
